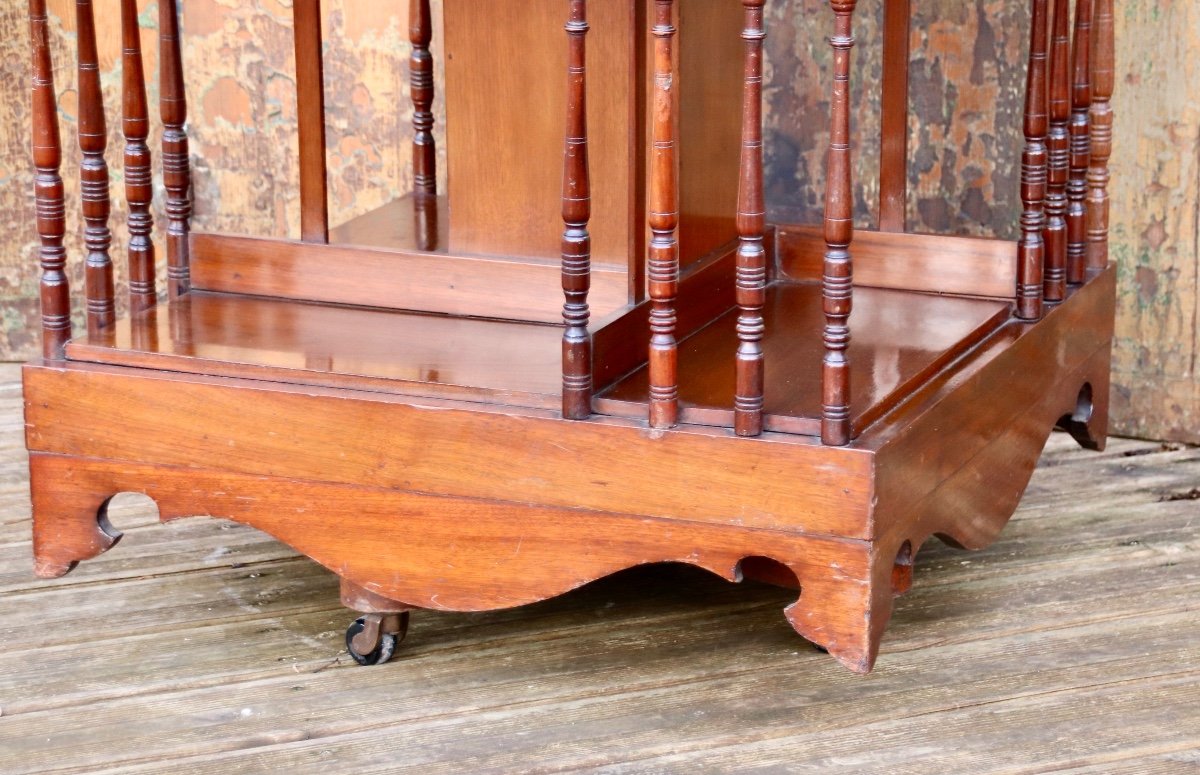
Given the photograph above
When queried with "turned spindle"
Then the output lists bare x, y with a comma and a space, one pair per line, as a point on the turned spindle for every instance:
576, 211
837, 283
310, 120
1031, 251
751, 223
663, 260
139, 182
420, 34
177, 174
93, 175
1103, 81
48, 190
1081, 104
1058, 145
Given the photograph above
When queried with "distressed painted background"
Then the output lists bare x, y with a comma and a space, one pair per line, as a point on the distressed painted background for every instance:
966, 86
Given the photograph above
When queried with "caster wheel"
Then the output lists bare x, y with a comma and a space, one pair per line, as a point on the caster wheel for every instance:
369, 641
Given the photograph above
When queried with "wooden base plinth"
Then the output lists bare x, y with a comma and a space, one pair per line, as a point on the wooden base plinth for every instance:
448, 505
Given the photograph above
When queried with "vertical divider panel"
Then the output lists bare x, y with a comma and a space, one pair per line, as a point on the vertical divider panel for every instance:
893, 156
310, 108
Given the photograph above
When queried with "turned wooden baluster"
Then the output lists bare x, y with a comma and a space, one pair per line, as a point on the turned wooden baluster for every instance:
177, 174
48, 190
663, 263
93, 174
751, 222
1103, 81
420, 33
310, 120
1059, 154
1081, 103
139, 182
576, 211
837, 283
1031, 251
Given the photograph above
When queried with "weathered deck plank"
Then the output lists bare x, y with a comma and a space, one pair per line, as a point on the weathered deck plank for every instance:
203, 646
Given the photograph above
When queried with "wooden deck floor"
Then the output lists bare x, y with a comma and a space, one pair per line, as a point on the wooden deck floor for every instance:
1072, 645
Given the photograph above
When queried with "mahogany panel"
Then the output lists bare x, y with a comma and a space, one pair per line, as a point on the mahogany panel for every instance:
452, 448
454, 284
970, 266
504, 131
503, 554
413, 223
900, 340
310, 109
261, 338
893, 118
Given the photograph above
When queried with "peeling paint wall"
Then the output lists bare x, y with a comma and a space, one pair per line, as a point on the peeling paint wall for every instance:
967, 80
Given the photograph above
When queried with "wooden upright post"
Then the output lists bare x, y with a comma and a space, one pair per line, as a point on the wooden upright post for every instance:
1031, 252
751, 223
177, 171
837, 288
576, 211
48, 190
1081, 104
1058, 145
663, 263
420, 33
139, 180
893, 119
1103, 81
93, 174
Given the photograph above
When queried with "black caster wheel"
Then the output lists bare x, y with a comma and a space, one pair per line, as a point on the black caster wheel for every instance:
372, 639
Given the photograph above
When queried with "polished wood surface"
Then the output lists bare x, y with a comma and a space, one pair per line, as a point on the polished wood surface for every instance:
368, 348
418, 417
1101, 139
1031, 251
837, 289
485, 286
971, 266
576, 240
176, 164
900, 340
1058, 163
893, 116
139, 177
93, 175
310, 107
48, 190
751, 223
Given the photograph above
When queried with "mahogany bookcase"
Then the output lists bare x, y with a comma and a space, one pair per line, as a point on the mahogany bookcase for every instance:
592, 350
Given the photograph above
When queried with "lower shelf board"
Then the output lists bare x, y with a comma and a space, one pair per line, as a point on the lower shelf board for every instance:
899, 339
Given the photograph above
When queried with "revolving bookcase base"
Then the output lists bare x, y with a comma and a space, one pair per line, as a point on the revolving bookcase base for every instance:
451, 505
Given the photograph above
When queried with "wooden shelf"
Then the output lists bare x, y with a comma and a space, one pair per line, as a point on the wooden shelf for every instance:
321, 344
900, 339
